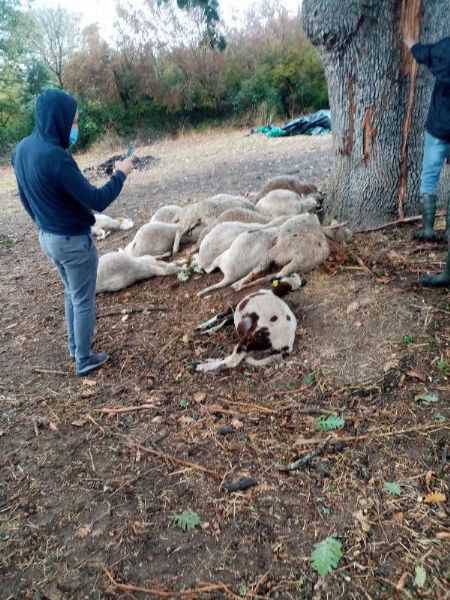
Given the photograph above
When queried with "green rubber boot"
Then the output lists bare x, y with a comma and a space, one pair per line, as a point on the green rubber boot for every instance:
441, 280
426, 233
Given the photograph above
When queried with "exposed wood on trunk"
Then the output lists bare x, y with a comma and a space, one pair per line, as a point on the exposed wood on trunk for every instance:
368, 133
410, 20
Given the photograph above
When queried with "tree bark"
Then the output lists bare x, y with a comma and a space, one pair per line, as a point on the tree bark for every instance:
379, 99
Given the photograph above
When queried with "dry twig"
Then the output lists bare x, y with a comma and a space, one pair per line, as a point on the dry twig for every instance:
193, 594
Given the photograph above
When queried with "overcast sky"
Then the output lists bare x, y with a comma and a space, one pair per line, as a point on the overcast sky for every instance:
103, 12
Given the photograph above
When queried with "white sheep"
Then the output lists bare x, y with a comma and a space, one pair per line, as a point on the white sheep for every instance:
167, 214
200, 214
118, 270
105, 224
238, 215
286, 182
222, 235
265, 325
153, 239
301, 246
285, 202
298, 245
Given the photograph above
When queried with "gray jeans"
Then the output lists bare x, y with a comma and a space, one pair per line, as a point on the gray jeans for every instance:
75, 257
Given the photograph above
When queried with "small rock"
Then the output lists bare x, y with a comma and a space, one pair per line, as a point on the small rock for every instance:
225, 430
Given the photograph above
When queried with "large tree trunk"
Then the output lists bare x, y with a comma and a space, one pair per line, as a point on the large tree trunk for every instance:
379, 100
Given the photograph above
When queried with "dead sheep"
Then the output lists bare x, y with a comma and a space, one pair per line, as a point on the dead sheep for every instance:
153, 239
200, 214
299, 245
118, 270
238, 215
265, 325
223, 235
284, 202
104, 224
285, 182
167, 214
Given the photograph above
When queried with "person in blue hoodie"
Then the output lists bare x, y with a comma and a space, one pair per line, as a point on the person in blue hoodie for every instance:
436, 57
61, 201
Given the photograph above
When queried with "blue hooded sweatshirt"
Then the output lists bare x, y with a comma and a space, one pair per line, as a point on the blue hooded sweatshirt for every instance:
52, 188
437, 58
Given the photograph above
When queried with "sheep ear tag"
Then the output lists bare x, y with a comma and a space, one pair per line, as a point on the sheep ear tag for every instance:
275, 283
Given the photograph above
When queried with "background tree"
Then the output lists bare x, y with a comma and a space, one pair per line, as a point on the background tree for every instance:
56, 37
378, 100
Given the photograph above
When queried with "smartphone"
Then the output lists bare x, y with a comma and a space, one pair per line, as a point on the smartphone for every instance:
130, 150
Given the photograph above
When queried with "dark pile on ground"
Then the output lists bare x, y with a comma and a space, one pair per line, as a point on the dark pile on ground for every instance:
141, 163
94, 470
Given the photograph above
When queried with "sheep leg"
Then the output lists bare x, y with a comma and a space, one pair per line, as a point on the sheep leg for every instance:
259, 281
225, 281
229, 362
263, 362
216, 323
165, 255
248, 279
176, 242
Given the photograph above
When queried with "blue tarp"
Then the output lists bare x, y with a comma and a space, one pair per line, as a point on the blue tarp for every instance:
317, 123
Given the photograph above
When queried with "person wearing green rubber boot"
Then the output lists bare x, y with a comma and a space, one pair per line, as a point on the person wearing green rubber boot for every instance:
437, 131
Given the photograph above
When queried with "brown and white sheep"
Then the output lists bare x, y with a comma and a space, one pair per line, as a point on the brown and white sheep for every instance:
266, 327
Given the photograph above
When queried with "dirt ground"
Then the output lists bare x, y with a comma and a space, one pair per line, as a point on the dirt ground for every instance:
93, 471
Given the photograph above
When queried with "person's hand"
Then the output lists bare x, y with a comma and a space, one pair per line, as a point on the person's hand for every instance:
409, 41
126, 166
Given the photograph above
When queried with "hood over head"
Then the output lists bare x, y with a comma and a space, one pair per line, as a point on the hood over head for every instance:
55, 112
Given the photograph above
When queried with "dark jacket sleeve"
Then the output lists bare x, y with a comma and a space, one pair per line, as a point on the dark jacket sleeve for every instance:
436, 57
78, 187
22, 196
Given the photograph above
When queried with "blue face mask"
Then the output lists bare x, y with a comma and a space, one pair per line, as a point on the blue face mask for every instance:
73, 138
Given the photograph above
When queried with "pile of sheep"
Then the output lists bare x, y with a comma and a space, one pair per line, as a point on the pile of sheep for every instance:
277, 228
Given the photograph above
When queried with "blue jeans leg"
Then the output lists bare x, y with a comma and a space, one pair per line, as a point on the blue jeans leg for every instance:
434, 155
76, 260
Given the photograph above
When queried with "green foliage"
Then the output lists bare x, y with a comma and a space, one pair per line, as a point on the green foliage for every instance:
186, 520
329, 423
184, 403
145, 88
326, 556
408, 340
392, 488
443, 367
309, 379
427, 398
421, 576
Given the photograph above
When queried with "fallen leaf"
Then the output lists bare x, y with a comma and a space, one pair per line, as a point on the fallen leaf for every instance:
125, 318
79, 423
88, 394
421, 576
90, 382
435, 498
398, 517
443, 535
237, 424
392, 364
416, 375
199, 397
83, 532
52, 426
